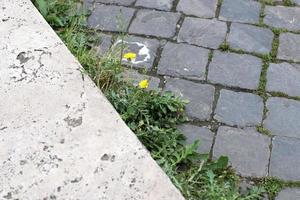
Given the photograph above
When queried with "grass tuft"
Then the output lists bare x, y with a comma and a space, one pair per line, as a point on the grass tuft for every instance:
224, 46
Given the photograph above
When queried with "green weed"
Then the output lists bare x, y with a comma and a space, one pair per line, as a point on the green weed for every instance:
151, 115
224, 46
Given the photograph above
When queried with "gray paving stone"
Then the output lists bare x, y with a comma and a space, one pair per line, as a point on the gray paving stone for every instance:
285, 78
199, 8
183, 60
156, 4
245, 11
283, 117
134, 77
235, 70
283, 17
250, 38
201, 97
247, 149
155, 23
88, 4
144, 48
193, 133
110, 17
119, 2
285, 159
239, 108
104, 44
289, 47
297, 2
289, 193
203, 32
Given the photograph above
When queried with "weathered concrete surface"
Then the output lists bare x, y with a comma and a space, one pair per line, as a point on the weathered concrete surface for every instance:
59, 136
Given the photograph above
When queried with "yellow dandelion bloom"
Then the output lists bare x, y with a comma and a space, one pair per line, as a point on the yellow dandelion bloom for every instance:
144, 84
129, 56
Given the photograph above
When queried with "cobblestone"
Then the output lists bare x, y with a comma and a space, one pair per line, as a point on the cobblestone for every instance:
283, 17
107, 17
199, 8
144, 48
235, 70
240, 144
289, 193
283, 117
104, 44
250, 38
155, 23
201, 97
284, 78
182, 60
193, 133
239, 108
285, 160
203, 32
289, 47
119, 2
132, 76
245, 11
157, 4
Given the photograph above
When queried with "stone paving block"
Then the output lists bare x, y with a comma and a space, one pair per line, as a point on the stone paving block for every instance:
285, 158
203, 32
104, 44
297, 2
193, 133
244, 11
200, 97
144, 48
289, 47
247, 149
250, 38
236, 70
155, 23
183, 60
134, 77
239, 108
199, 8
156, 4
88, 4
285, 78
283, 17
283, 117
110, 17
289, 193
119, 2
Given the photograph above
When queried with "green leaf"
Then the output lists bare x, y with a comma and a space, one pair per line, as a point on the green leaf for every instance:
222, 162
56, 20
43, 7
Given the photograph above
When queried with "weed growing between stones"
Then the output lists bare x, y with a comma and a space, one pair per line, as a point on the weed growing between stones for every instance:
273, 186
151, 115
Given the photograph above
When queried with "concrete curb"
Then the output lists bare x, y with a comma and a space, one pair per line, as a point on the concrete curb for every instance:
59, 136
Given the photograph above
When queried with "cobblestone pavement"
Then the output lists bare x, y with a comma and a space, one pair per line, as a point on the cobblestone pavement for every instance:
237, 61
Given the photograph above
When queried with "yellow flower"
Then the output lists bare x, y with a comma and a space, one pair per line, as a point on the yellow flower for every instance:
144, 84
129, 56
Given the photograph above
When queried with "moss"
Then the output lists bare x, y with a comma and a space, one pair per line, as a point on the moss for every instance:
210, 56
288, 3
263, 130
224, 46
267, 2
263, 79
281, 94
274, 185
